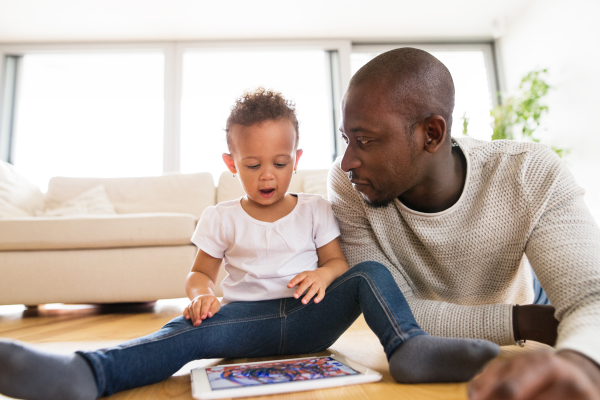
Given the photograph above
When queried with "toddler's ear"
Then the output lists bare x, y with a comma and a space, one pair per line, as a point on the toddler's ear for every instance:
228, 159
298, 155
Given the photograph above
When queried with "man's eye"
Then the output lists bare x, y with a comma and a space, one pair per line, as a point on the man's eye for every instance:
363, 141
345, 139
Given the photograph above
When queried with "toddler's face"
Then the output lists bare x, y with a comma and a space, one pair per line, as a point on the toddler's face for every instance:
264, 157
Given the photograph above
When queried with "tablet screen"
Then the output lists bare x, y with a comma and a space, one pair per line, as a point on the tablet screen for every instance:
303, 369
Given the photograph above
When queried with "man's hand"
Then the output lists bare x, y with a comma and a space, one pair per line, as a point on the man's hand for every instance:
564, 375
311, 282
202, 307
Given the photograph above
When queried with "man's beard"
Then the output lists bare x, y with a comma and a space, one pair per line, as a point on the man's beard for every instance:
379, 203
374, 204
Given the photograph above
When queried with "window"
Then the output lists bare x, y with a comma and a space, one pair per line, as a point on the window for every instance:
89, 115
474, 87
146, 109
213, 79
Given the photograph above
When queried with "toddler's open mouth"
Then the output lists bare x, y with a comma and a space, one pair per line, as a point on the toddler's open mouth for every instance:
266, 193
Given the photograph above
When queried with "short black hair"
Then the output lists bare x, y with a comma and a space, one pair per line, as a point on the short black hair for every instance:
258, 106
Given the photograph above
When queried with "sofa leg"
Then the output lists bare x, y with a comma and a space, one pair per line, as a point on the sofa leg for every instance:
141, 306
31, 306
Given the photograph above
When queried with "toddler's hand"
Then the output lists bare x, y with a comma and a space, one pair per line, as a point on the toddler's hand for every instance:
310, 282
201, 307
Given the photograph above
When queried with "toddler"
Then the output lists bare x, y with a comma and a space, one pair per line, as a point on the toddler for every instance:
288, 289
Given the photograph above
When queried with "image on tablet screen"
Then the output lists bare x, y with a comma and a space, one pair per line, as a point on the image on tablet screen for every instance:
243, 375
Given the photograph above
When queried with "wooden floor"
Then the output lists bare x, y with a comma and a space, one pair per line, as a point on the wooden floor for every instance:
66, 328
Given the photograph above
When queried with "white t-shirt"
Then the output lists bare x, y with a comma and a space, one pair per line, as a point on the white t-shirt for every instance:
262, 257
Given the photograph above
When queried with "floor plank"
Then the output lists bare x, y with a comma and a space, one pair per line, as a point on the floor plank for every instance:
66, 328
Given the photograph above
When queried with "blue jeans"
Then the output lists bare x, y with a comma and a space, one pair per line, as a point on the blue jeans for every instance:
539, 295
260, 329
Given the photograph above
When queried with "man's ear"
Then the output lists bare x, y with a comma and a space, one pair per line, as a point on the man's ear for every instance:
435, 133
228, 159
299, 153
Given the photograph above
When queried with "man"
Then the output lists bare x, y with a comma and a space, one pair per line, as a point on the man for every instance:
452, 219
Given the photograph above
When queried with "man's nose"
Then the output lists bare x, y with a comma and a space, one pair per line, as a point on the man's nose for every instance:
349, 160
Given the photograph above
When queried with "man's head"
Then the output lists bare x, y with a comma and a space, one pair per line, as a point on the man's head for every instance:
396, 115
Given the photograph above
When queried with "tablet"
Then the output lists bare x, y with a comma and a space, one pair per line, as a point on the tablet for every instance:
280, 376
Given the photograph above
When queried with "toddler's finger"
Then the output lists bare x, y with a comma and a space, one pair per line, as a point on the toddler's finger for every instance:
313, 290
303, 287
205, 307
296, 280
197, 309
191, 313
214, 308
320, 296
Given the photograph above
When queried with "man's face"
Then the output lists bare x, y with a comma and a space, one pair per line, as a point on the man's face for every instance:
381, 156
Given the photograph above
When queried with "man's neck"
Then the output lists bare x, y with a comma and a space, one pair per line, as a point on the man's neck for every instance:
442, 186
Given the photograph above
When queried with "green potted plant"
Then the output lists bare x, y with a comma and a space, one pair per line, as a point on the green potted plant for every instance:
519, 116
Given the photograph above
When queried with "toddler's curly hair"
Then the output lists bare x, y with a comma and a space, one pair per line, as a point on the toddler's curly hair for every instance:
258, 106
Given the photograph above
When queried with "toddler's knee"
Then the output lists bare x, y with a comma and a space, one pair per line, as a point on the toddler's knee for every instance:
177, 323
371, 268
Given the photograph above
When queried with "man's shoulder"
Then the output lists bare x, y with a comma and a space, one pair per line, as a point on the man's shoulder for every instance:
337, 180
508, 153
483, 148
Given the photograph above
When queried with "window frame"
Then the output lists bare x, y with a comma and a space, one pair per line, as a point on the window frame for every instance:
173, 52
487, 48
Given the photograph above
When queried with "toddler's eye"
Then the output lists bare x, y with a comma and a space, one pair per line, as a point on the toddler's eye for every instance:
253, 166
280, 165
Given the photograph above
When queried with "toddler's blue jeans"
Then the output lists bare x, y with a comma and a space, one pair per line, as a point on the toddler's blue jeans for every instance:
262, 328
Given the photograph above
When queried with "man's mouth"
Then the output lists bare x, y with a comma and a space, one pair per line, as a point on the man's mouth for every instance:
266, 193
357, 183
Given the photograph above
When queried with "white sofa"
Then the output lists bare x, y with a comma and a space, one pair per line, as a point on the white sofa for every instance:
141, 253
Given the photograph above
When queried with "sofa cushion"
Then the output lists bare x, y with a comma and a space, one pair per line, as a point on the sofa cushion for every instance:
17, 193
315, 182
93, 201
9, 210
96, 231
177, 193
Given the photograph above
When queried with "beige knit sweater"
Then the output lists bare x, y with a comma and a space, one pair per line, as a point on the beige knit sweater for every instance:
462, 269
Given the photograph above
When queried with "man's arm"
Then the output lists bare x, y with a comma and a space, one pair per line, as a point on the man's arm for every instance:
492, 322
564, 250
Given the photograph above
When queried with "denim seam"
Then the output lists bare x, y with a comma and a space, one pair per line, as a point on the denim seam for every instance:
377, 294
100, 370
185, 330
281, 323
283, 328
385, 307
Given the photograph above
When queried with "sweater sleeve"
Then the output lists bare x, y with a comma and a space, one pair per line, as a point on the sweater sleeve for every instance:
492, 322
564, 251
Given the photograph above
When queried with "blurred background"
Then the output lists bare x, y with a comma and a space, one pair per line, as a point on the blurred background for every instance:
117, 88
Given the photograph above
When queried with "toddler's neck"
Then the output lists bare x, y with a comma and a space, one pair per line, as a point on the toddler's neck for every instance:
272, 212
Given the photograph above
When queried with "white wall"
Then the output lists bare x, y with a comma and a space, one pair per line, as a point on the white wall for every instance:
563, 36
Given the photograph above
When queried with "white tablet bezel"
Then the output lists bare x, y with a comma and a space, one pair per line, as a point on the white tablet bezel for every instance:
201, 386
